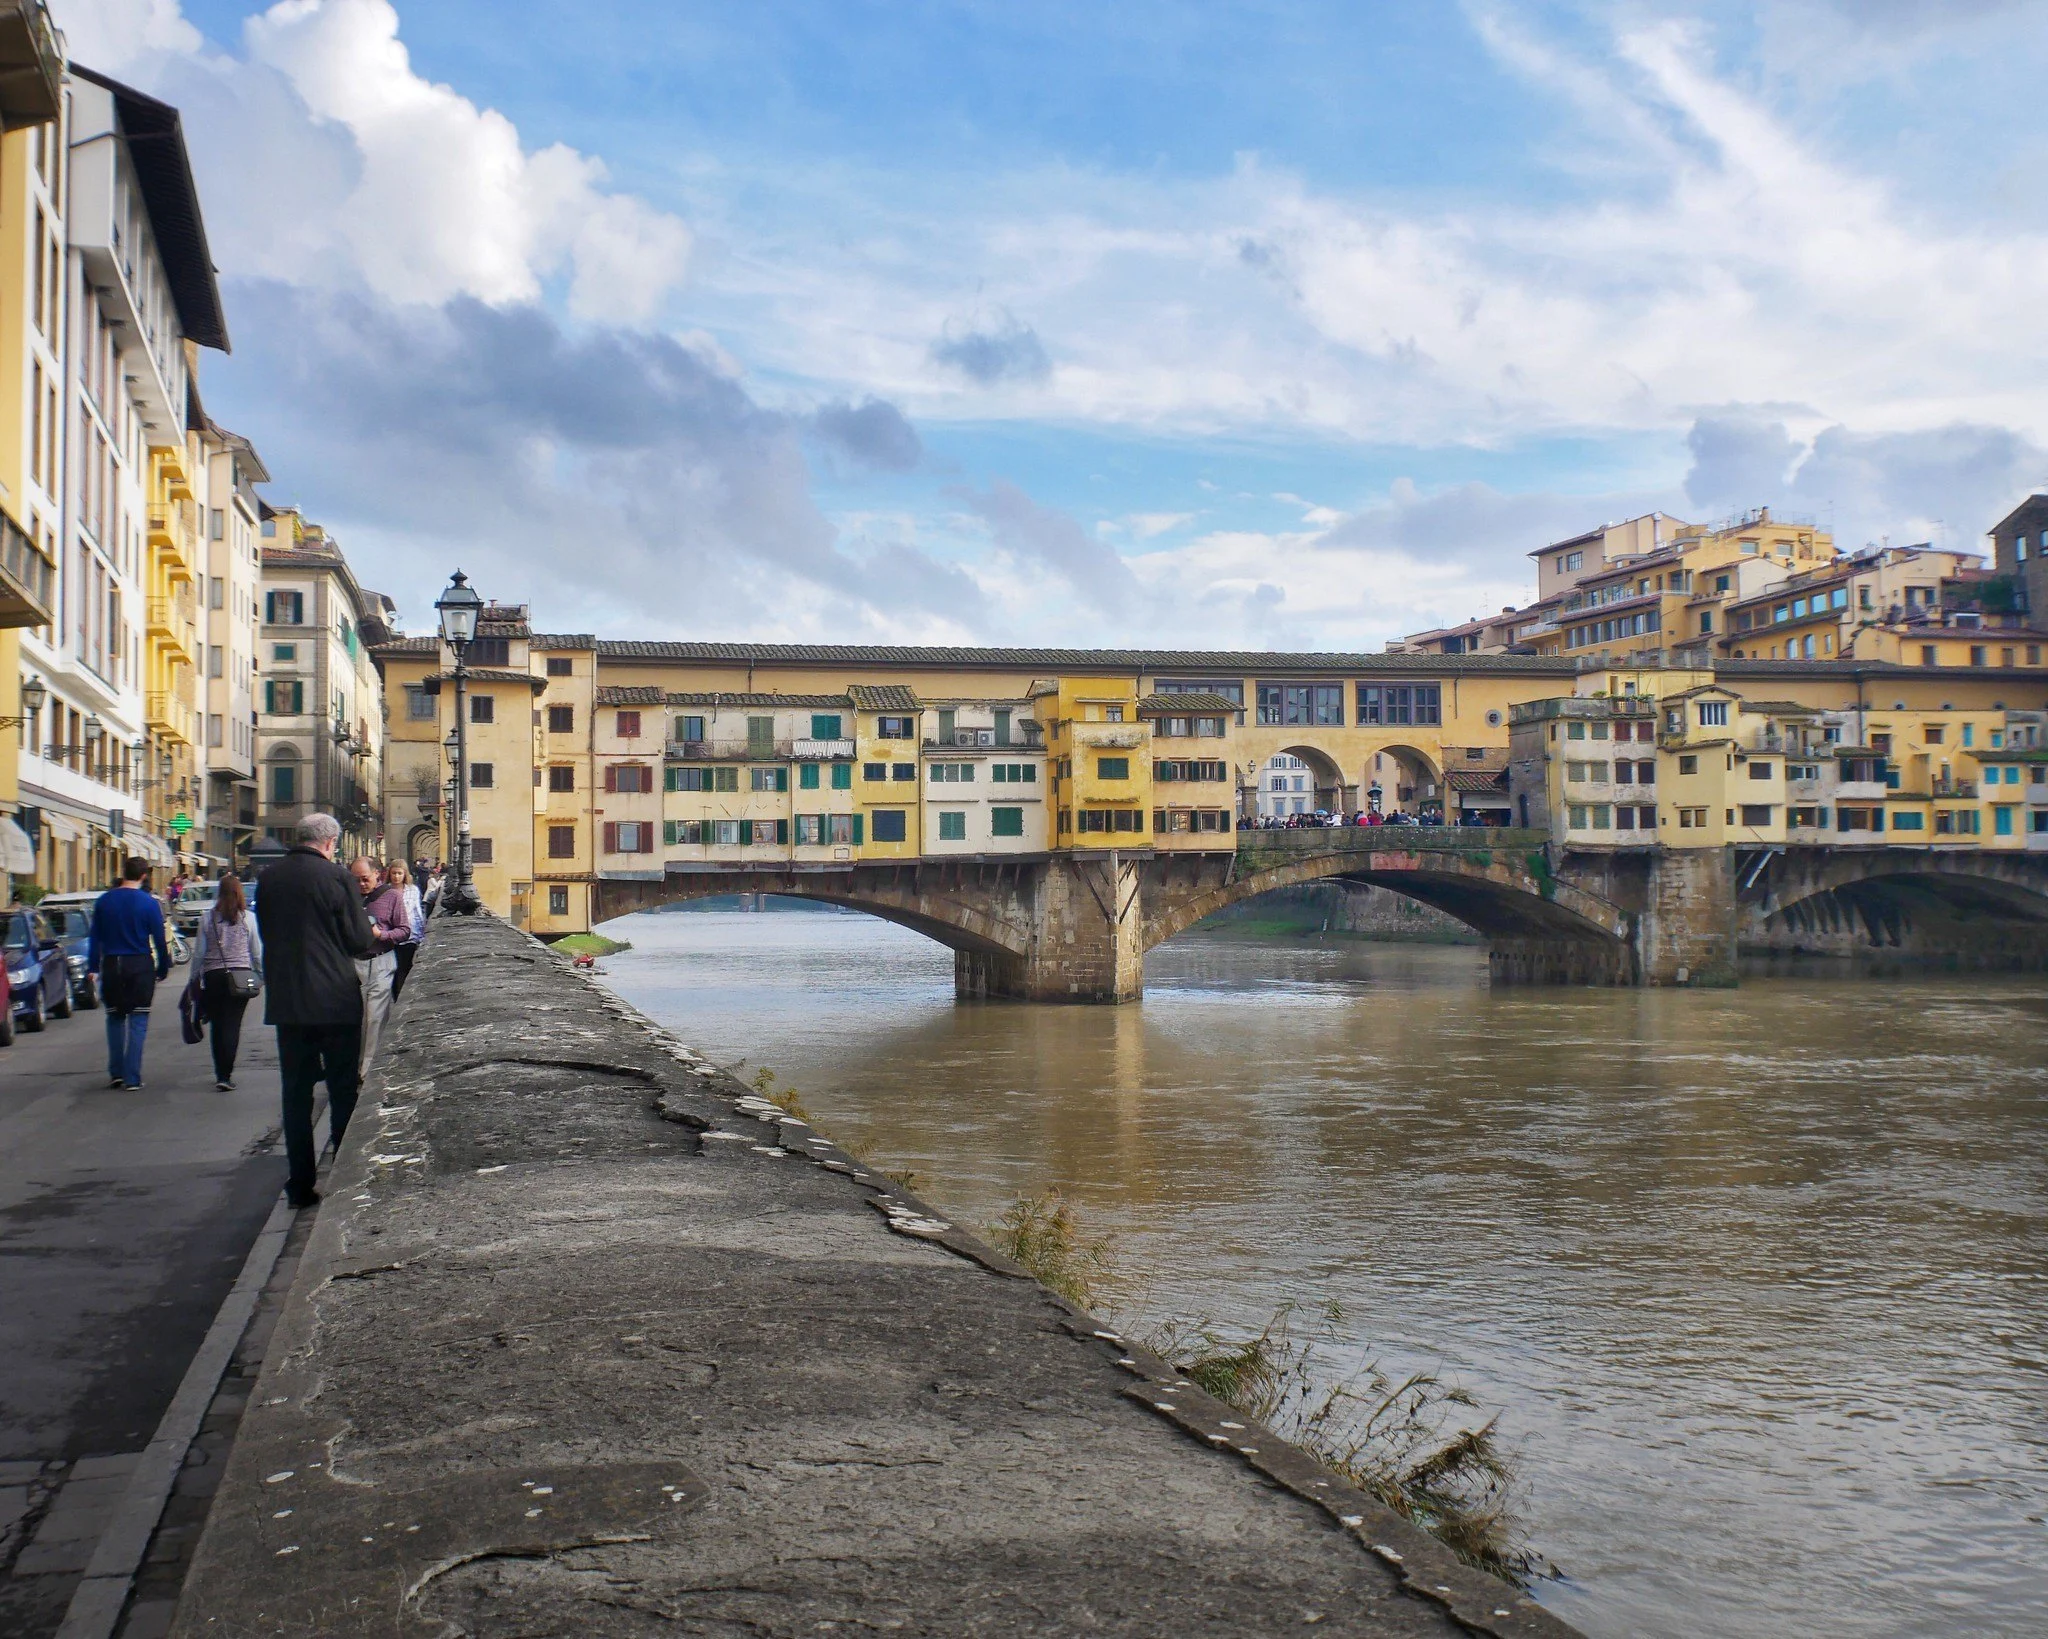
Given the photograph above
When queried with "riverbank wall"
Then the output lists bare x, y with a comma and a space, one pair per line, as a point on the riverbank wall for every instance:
589, 1338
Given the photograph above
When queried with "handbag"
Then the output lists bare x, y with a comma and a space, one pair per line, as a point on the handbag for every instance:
191, 1018
243, 982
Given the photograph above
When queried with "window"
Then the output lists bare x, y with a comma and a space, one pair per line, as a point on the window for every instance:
1571, 561
1575, 731
1229, 688
689, 728
807, 777
1969, 734
1576, 816
890, 825
768, 779
894, 728
903, 771
2001, 821
629, 725
843, 828
1399, 703
1706, 620
1111, 819
842, 776
561, 842
482, 709
627, 837
824, 727
480, 776
558, 901
1929, 656
1006, 822
284, 697
874, 771
1112, 768
284, 783
760, 736
1757, 815
1301, 703
631, 778
952, 773
419, 705
560, 665
1761, 771
1713, 714
725, 833
1692, 819
482, 851
810, 830
561, 777
1934, 734
952, 825
561, 719
284, 608
1014, 773
287, 652
1978, 655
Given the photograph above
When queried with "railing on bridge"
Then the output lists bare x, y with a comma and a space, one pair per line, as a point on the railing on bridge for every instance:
1370, 839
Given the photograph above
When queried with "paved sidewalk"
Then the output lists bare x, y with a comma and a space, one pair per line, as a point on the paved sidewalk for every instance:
124, 1220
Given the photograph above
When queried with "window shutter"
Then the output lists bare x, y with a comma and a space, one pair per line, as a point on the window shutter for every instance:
746, 832
858, 820
647, 839
270, 608
611, 837
782, 829
611, 778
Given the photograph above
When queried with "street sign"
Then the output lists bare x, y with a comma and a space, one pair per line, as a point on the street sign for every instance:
181, 822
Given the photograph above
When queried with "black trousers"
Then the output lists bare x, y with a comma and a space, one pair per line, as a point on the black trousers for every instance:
224, 1010
405, 955
309, 1053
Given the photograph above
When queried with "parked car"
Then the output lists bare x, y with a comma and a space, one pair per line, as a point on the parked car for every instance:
6, 1009
193, 903
38, 972
71, 914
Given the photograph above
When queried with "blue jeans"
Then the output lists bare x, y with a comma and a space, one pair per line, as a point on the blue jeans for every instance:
126, 1033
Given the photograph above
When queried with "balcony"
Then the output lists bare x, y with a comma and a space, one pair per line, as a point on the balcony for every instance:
820, 750
169, 715
1107, 737
31, 65
744, 751
1955, 788
28, 580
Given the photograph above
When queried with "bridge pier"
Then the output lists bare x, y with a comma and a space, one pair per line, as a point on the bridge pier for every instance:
1085, 941
1686, 931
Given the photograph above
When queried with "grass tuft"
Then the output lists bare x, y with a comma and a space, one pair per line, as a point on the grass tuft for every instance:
590, 944
787, 1097
1043, 1233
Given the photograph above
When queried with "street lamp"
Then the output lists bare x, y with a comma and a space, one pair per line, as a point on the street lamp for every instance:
459, 607
35, 695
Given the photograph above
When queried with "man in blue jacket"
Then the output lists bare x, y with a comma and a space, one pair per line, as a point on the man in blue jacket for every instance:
128, 951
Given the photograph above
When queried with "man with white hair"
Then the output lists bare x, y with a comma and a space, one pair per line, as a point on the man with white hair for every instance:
314, 928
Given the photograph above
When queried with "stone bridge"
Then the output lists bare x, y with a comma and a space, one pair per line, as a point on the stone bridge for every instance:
1068, 927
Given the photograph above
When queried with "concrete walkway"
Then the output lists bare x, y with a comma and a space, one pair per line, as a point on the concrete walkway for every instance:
124, 1220
588, 1340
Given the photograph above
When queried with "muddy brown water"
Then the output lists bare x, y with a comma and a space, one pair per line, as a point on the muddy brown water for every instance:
1758, 1280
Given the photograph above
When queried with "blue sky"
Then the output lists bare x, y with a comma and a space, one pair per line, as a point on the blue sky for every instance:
1290, 323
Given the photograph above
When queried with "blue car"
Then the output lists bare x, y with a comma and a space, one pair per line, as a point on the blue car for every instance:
38, 971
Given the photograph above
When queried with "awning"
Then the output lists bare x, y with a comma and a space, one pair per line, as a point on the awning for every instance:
17, 853
63, 827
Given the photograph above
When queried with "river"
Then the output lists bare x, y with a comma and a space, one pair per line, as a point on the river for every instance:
1758, 1280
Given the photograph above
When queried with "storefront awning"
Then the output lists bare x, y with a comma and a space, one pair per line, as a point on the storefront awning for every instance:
17, 853
63, 827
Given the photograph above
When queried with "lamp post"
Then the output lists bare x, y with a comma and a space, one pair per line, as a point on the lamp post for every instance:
458, 608
35, 694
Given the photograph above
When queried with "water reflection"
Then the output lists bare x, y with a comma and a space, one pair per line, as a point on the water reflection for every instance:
1756, 1277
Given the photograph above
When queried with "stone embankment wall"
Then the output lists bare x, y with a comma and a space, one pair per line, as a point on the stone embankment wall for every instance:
588, 1339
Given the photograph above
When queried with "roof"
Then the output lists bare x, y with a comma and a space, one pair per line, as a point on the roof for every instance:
645, 695
2034, 507
882, 697
1783, 708
1475, 779
1227, 662
796, 701
155, 140
1179, 705
399, 647
479, 674
1704, 688
563, 640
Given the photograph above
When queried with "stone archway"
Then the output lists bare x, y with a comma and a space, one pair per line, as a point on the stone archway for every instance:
1322, 782
1407, 779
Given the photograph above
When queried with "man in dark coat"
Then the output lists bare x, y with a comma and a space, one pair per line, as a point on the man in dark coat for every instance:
314, 927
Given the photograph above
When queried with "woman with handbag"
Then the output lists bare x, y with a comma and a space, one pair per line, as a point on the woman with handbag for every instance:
227, 971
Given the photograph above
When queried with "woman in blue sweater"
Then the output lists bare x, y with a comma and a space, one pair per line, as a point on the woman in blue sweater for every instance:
129, 953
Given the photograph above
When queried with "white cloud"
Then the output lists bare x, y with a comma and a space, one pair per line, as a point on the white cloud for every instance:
330, 161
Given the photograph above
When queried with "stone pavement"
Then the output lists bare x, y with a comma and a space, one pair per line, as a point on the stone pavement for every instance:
588, 1339
124, 1220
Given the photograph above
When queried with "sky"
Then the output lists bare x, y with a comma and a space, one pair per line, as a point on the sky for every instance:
1258, 323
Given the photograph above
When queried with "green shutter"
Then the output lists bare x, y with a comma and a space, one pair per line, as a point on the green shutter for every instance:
842, 776
857, 826
782, 830
746, 832
807, 777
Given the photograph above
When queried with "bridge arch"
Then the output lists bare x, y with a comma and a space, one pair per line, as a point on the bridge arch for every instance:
1332, 791
1979, 907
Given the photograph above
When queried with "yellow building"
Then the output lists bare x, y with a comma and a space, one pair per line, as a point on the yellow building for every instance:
1196, 802
31, 147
